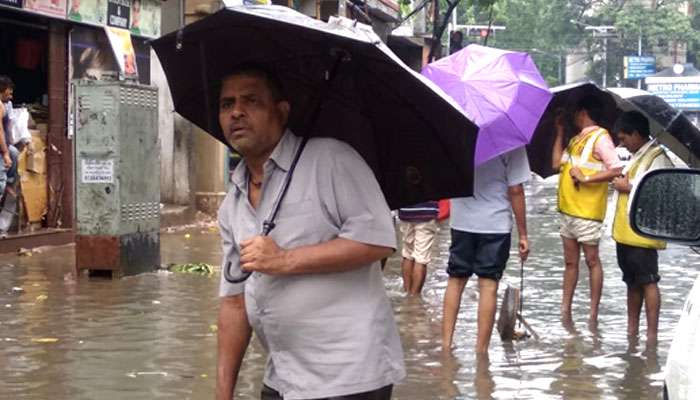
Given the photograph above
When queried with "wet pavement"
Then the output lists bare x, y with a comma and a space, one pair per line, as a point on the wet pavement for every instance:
152, 336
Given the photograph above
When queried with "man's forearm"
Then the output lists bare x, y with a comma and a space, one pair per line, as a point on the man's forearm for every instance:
604, 176
336, 255
233, 337
517, 202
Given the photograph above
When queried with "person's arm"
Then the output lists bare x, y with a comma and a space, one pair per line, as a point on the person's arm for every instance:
602, 176
516, 194
604, 151
4, 149
558, 149
233, 337
262, 254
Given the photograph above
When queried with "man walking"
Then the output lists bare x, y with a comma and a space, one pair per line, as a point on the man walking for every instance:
481, 229
418, 229
8, 167
586, 166
316, 298
637, 256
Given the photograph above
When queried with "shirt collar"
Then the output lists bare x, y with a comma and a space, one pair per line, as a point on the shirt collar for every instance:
281, 157
644, 148
589, 129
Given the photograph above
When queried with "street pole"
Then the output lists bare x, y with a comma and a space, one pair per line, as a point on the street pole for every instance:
639, 53
605, 62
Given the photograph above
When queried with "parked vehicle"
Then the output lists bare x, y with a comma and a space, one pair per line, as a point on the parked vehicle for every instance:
666, 205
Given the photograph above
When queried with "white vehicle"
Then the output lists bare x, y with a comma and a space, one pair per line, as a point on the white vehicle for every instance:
666, 205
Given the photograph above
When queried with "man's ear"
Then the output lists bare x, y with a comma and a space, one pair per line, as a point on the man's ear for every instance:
283, 107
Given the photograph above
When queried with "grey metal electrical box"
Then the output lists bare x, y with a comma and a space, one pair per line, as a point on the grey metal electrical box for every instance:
117, 182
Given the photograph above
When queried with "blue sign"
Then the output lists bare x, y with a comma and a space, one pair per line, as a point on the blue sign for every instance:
682, 95
638, 67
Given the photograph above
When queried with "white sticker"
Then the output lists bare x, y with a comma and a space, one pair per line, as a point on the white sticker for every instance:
98, 171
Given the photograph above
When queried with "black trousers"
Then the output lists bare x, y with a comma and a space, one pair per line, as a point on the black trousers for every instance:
384, 393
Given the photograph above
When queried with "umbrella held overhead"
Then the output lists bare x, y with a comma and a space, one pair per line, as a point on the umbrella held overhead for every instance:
342, 82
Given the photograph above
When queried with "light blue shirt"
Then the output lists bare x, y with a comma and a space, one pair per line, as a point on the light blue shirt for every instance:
490, 211
328, 334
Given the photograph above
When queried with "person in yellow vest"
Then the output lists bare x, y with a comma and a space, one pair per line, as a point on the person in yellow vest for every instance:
586, 166
637, 256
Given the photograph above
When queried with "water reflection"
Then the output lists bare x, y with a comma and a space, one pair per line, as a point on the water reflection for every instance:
151, 336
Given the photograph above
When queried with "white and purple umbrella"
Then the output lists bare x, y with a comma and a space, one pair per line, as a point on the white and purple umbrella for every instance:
502, 91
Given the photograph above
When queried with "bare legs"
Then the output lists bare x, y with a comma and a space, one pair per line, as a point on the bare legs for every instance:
572, 251
486, 313
651, 298
413, 276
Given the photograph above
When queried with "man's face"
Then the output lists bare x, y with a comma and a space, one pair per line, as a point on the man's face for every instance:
6, 95
135, 13
630, 141
251, 119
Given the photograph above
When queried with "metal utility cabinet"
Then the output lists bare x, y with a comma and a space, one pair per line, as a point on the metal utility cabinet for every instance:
117, 183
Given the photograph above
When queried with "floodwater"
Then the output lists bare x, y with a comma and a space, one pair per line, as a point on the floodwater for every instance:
152, 336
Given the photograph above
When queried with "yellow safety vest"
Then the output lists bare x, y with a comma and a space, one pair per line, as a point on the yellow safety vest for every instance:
622, 231
588, 200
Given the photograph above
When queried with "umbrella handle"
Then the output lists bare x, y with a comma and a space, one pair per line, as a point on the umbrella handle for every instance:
522, 287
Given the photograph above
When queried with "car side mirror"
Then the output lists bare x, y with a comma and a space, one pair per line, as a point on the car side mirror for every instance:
666, 206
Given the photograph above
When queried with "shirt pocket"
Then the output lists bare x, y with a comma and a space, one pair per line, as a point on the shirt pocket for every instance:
298, 224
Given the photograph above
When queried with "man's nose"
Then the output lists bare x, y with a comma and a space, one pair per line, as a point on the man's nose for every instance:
237, 111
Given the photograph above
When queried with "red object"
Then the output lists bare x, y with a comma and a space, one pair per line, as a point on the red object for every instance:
443, 209
28, 53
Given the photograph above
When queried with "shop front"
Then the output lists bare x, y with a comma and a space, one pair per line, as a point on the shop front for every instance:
44, 46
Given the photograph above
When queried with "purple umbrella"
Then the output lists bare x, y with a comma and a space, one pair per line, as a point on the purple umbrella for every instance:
502, 91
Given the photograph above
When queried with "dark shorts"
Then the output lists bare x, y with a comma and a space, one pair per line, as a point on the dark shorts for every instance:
383, 393
639, 266
483, 254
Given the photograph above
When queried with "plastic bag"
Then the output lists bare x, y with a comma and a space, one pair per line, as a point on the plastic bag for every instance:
19, 125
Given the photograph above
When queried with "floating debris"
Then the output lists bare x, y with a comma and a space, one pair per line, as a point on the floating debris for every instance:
192, 268
45, 340
41, 297
134, 374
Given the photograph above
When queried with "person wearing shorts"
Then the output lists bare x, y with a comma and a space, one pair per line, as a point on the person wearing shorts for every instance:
480, 228
418, 228
585, 165
637, 256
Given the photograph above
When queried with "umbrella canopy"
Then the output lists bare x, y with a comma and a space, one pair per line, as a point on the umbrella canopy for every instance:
668, 125
419, 144
501, 90
565, 99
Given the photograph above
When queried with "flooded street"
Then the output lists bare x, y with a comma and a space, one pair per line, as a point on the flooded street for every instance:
153, 336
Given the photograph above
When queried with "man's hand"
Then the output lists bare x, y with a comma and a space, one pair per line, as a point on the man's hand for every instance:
622, 184
523, 249
577, 175
7, 161
262, 254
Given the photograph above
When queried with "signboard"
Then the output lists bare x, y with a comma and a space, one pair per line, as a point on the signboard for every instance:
681, 95
91, 11
123, 50
53, 8
638, 67
145, 18
97, 171
12, 3
118, 13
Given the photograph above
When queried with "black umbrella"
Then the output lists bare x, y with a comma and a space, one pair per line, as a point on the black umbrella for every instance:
418, 143
668, 125
565, 99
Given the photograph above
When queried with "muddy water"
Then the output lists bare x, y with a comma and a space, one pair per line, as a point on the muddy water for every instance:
151, 336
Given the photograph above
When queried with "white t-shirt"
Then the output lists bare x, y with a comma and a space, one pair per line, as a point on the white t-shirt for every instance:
490, 211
